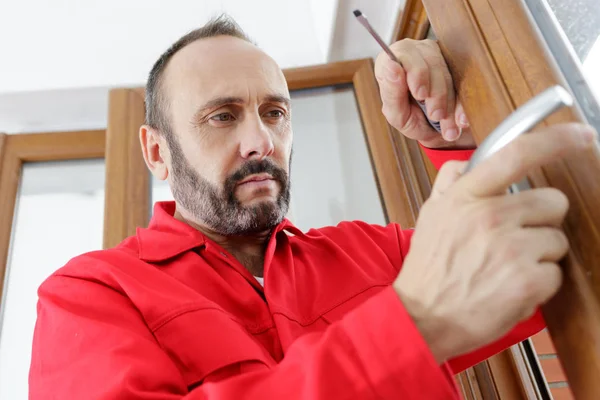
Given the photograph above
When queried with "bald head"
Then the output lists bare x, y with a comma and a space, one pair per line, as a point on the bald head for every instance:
155, 101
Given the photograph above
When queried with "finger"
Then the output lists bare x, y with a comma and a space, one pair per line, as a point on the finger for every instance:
534, 208
460, 117
450, 131
394, 92
437, 102
543, 244
512, 163
537, 284
549, 277
447, 175
442, 94
417, 70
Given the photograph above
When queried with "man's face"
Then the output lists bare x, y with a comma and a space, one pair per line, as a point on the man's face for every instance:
231, 137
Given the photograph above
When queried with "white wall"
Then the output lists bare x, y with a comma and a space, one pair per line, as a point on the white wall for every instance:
64, 44
60, 57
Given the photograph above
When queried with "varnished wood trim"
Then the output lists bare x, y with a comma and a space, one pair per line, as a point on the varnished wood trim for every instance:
322, 75
412, 22
55, 146
497, 59
10, 170
128, 179
17, 149
467, 381
395, 192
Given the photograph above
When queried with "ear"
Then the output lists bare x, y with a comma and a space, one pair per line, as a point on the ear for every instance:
153, 148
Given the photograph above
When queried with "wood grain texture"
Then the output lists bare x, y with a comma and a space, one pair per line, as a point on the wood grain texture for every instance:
469, 386
412, 22
127, 199
18, 149
10, 170
496, 59
322, 75
396, 194
57, 146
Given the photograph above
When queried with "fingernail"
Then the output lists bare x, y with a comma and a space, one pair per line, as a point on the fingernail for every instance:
422, 92
463, 120
437, 115
451, 135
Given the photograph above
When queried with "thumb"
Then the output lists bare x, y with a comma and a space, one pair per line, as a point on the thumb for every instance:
448, 174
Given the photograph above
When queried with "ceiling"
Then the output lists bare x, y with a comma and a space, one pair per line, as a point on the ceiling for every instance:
60, 58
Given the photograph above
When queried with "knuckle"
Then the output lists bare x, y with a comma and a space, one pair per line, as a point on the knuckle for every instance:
403, 44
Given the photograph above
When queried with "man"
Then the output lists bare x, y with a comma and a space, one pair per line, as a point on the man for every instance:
353, 311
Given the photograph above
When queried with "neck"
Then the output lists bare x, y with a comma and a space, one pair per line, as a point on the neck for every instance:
248, 249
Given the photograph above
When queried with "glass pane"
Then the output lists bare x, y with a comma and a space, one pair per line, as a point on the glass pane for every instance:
571, 30
580, 19
332, 177
59, 214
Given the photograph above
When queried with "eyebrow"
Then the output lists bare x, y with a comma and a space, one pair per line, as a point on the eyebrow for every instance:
218, 102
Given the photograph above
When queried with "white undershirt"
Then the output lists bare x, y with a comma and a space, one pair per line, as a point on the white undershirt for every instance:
260, 280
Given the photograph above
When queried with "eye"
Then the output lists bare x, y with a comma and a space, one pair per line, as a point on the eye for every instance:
223, 117
275, 114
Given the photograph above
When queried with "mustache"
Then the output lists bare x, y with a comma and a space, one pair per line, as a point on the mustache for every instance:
252, 167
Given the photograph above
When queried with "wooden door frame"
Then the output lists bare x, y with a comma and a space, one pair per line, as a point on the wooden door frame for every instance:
15, 150
497, 57
401, 188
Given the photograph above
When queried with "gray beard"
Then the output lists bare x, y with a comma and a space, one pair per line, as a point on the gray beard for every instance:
219, 209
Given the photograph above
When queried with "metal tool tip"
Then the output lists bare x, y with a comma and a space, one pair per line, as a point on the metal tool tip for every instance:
357, 13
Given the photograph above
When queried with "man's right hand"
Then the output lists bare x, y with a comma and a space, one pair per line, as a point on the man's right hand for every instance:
480, 260
426, 76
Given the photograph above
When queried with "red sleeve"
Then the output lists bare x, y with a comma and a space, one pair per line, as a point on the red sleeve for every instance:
91, 343
438, 157
519, 333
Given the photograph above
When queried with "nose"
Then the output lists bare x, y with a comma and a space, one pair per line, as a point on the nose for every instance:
256, 141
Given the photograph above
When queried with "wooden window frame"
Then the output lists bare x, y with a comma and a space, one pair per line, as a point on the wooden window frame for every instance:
497, 57
15, 150
127, 202
402, 180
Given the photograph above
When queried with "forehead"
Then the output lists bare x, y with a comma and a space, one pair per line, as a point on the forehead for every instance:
222, 66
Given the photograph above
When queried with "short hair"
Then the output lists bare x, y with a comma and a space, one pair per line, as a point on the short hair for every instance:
156, 102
